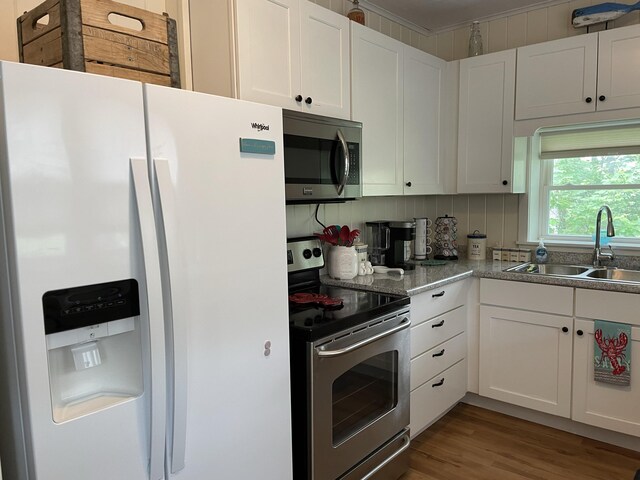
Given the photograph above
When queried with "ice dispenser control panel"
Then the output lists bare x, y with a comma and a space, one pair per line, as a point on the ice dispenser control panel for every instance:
78, 307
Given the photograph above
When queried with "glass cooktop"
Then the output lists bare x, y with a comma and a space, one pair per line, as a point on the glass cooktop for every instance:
313, 321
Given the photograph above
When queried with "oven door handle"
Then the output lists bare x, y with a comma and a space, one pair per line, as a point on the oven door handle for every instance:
345, 149
407, 442
341, 351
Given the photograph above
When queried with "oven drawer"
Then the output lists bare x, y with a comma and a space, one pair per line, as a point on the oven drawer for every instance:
437, 330
433, 398
438, 301
438, 359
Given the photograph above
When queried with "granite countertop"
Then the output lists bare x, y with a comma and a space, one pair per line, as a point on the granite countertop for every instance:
425, 278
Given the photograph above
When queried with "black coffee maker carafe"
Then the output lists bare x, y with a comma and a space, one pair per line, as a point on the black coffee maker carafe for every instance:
402, 235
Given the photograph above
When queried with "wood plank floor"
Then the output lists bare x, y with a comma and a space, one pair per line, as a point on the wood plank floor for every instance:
471, 443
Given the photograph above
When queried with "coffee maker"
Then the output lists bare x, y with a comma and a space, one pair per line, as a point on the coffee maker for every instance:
402, 235
378, 238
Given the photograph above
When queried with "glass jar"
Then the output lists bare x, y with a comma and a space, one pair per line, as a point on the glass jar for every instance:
475, 40
356, 14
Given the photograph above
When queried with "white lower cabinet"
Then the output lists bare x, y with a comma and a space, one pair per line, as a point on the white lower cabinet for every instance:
525, 358
526, 344
601, 404
438, 353
545, 360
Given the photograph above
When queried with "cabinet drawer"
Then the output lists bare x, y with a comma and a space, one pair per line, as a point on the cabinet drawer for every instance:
438, 301
436, 396
612, 306
527, 296
438, 359
437, 330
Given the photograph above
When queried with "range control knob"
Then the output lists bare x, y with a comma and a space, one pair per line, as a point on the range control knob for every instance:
306, 253
317, 252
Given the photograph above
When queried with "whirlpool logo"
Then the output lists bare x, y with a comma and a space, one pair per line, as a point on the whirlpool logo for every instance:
259, 126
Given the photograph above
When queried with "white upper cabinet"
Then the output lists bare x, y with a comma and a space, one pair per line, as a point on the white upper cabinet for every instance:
293, 54
398, 93
377, 102
326, 71
424, 168
485, 125
581, 74
619, 68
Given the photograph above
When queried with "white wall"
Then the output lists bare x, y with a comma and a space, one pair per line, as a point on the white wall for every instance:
497, 215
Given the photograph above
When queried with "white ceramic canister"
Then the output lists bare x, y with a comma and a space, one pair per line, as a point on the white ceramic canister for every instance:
342, 262
476, 246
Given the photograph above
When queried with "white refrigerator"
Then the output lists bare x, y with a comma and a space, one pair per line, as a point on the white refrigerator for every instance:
144, 321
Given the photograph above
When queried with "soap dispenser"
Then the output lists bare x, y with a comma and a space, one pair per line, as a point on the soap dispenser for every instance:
542, 255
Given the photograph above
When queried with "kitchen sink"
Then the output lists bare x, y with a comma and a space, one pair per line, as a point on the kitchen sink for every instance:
582, 272
550, 269
615, 275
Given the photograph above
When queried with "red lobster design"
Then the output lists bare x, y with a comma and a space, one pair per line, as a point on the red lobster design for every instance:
613, 349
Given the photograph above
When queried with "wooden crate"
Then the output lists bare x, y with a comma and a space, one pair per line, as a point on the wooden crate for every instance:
80, 36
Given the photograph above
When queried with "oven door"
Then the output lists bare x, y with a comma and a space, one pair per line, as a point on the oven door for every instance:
360, 396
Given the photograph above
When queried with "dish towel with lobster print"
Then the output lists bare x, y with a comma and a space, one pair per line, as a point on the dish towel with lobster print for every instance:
612, 353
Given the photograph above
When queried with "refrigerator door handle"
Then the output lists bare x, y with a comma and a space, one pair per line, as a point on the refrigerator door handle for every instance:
178, 429
142, 190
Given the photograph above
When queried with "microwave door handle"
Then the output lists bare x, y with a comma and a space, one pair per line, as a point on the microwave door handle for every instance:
345, 150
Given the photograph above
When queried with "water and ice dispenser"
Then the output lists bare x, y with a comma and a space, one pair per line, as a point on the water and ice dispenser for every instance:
94, 347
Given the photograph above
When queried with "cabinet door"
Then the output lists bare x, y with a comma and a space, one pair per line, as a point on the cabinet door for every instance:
485, 135
325, 61
557, 78
423, 84
619, 68
377, 96
268, 56
525, 359
601, 404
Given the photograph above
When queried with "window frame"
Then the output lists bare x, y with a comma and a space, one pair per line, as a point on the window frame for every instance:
544, 193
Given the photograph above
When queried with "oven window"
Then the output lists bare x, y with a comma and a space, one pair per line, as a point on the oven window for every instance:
363, 394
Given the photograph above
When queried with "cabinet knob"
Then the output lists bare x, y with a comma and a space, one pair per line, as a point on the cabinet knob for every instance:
298, 98
565, 329
588, 99
408, 184
580, 333
308, 100
602, 98
504, 182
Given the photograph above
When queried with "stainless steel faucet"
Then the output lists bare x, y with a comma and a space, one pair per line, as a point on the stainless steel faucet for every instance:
598, 255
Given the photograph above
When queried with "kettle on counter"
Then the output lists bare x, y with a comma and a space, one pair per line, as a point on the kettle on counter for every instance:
445, 243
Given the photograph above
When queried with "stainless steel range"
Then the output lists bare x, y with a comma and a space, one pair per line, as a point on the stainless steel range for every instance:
349, 375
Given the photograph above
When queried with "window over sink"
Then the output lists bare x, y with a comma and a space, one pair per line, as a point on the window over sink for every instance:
577, 169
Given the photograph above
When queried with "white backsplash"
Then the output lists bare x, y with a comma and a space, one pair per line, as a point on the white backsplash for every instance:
496, 215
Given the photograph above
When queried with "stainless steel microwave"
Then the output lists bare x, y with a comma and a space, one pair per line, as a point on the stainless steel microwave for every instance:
322, 158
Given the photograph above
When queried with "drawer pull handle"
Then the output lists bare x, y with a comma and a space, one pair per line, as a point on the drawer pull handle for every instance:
439, 384
441, 294
439, 324
439, 354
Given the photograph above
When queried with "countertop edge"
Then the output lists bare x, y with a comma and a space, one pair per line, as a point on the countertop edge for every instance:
427, 278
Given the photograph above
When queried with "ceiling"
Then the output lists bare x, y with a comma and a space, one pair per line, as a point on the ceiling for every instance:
434, 15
